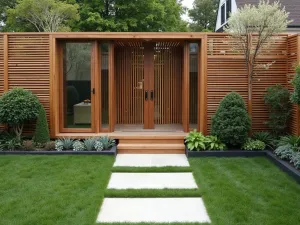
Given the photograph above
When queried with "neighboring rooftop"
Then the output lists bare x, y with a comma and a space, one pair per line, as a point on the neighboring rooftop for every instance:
291, 6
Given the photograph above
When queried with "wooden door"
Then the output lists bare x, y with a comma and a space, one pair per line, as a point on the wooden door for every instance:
148, 86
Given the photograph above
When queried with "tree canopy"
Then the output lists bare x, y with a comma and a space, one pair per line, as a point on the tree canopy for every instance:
203, 15
130, 15
92, 15
41, 15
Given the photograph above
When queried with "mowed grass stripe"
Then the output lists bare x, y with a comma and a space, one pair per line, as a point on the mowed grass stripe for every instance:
166, 169
151, 193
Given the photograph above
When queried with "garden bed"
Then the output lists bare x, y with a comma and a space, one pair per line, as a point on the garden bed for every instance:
112, 151
283, 165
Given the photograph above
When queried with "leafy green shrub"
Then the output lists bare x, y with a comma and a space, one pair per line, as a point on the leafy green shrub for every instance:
294, 141
251, 145
277, 99
64, 144
41, 134
284, 152
295, 96
78, 146
72, 97
231, 123
16, 107
195, 141
89, 144
214, 143
50, 145
295, 159
28, 145
98, 146
107, 142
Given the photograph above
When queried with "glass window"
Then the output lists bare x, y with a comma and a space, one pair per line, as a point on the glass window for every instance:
77, 85
223, 14
104, 84
193, 115
228, 9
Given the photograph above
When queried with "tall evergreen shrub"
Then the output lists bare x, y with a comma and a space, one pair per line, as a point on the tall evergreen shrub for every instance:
231, 123
277, 99
41, 134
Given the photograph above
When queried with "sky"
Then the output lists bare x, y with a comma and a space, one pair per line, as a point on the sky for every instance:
189, 5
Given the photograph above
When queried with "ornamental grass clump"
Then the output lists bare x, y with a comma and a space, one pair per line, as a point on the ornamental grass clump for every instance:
231, 123
18, 106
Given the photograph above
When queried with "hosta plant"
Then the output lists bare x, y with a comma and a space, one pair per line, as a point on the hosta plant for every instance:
107, 142
252, 145
284, 151
214, 143
89, 144
195, 141
98, 146
295, 159
78, 146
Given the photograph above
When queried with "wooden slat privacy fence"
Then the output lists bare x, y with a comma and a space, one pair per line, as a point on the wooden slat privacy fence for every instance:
27, 65
293, 60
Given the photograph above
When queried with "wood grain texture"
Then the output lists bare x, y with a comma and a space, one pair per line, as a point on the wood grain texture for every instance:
29, 67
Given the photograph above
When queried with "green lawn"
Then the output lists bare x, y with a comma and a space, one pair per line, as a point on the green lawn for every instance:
66, 190
58, 190
247, 191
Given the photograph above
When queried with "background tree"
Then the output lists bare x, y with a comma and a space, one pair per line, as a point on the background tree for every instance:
41, 15
130, 15
263, 21
203, 15
4, 5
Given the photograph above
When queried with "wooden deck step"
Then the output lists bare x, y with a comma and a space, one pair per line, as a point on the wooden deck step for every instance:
147, 148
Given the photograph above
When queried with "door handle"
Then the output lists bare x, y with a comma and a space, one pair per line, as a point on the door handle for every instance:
146, 95
93, 91
152, 95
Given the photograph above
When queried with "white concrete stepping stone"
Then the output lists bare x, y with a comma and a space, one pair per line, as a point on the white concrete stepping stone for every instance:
152, 181
156, 210
151, 160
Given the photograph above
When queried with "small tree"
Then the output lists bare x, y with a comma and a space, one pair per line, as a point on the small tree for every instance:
277, 99
260, 22
231, 123
16, 107
41, 134
44, 15
295, 96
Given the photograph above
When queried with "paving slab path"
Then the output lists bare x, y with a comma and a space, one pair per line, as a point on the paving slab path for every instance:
154, 210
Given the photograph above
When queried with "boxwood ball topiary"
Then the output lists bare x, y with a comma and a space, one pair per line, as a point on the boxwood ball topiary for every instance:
16, 107
231, 123
41, 134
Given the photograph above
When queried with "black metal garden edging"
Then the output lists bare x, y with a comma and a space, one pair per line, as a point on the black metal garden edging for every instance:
283, 165
112, 151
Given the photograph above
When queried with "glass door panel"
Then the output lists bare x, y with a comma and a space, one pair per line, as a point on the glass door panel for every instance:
77, 103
